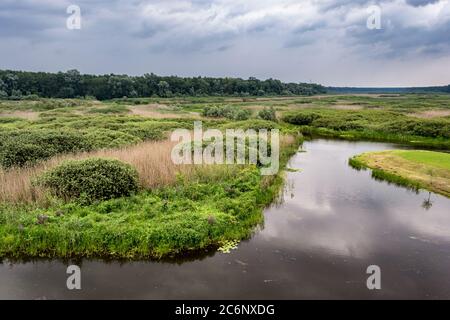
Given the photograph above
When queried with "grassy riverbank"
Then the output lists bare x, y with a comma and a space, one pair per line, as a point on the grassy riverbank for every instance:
376, 125
179, 209
414, 169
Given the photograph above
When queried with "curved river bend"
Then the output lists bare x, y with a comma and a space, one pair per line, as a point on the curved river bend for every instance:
333, 223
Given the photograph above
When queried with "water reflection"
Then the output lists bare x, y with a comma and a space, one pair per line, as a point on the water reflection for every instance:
427, 203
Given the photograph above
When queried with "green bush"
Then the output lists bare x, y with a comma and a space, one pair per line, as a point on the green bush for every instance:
228, 112
91, 180
20, 153
304, 118
105, 138
381, 122
242, 114
268, 114
422, 127
20, 148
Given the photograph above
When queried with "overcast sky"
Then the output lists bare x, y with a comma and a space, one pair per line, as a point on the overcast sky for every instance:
323, 41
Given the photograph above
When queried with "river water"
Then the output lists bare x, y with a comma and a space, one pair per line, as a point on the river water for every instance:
332, 224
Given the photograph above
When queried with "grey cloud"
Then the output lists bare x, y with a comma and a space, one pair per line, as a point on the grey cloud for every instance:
400, 40
419, 3
251, 37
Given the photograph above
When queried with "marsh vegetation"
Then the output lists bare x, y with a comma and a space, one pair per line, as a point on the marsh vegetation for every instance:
171, 209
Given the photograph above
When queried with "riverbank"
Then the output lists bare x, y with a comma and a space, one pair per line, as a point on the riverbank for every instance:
382, 125
415, 169
206, 208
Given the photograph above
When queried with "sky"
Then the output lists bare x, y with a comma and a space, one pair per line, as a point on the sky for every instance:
331, 42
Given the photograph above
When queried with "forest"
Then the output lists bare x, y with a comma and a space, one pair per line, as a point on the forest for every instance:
17, 85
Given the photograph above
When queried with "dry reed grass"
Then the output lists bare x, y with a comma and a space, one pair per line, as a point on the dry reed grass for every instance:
151, 159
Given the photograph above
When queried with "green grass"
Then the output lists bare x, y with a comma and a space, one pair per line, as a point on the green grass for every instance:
432, 159
414, 169
205, 211
115, 109
150, 224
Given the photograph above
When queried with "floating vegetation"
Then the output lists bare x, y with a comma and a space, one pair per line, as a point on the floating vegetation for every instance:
228, 245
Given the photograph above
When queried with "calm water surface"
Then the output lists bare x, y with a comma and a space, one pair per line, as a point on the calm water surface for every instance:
334, 223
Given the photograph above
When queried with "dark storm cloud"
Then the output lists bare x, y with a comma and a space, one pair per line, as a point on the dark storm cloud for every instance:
220, 37
403, 35
28, 18
418, 3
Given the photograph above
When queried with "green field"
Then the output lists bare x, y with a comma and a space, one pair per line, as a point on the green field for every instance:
429, 159
417, 169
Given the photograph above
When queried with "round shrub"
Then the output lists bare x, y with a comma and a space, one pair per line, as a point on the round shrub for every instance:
303, 118
268, 114
242, 114
90, 180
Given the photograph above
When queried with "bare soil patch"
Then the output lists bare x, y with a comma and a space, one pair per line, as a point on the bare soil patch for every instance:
160, 111
28, 115
430, 114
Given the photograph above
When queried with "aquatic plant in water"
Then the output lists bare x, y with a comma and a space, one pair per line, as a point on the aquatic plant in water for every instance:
228, 245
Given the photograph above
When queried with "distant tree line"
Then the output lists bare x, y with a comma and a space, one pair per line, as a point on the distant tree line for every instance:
391, 90
72, 84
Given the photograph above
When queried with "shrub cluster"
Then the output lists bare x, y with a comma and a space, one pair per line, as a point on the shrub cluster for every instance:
419, 127
91, 180
105, 138
19, 148
228, 112
44, 138
382, 122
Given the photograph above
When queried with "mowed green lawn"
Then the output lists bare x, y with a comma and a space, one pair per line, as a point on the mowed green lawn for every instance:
422, 169
428, 158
